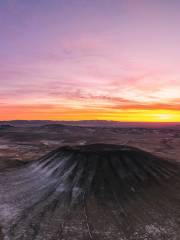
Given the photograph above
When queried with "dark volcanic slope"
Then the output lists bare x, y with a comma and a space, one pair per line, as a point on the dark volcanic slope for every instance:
91, 192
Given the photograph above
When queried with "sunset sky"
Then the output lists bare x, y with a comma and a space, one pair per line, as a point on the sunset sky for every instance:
90, 59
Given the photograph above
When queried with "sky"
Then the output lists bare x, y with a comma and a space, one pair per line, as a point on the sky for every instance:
90, 59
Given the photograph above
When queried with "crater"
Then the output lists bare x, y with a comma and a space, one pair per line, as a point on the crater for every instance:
97, 191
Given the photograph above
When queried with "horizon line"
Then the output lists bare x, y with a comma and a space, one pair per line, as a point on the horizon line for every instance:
104, 120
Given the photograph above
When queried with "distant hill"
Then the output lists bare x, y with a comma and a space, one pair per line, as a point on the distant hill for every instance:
24, 123
103, 123
89, 123
6, 126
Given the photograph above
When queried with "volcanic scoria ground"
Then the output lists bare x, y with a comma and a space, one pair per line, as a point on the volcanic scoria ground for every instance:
97, 191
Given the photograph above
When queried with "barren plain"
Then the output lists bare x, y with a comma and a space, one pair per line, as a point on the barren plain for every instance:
71, 182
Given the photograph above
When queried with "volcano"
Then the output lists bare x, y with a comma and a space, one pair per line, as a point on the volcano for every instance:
97, 191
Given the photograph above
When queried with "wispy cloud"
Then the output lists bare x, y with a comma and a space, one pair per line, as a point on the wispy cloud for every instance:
88, 60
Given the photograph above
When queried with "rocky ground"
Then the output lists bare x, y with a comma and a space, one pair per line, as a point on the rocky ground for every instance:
97, 191
27, 143
37, 196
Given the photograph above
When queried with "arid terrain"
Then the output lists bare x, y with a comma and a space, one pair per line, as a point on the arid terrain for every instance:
72, 182
27, 142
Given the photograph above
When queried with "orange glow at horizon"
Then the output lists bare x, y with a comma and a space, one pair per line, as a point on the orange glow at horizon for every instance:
72, 114
83, 60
